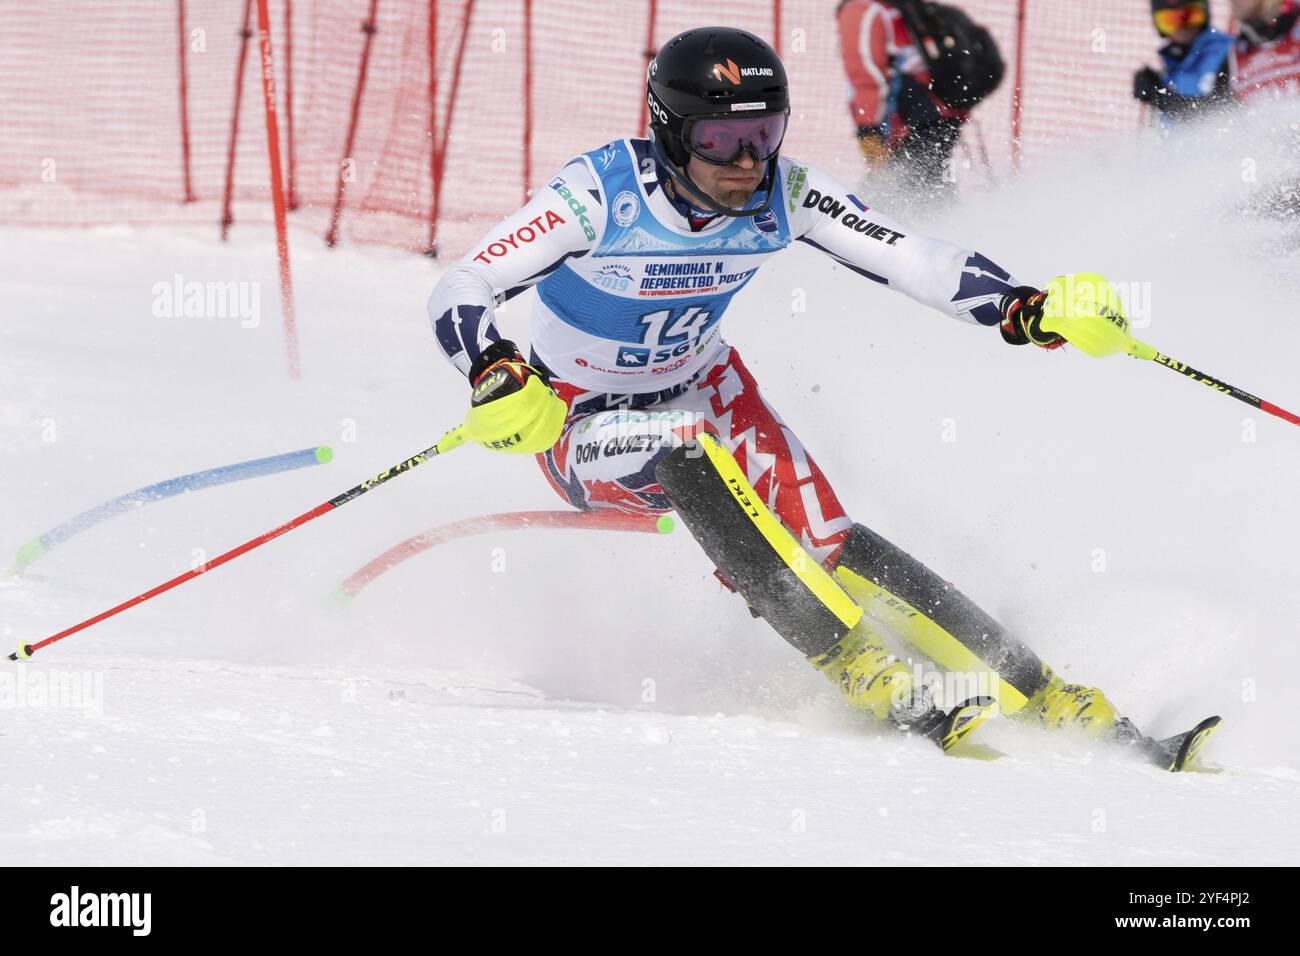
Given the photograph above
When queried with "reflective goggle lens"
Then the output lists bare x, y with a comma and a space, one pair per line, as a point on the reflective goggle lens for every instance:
1173, 19
723, 139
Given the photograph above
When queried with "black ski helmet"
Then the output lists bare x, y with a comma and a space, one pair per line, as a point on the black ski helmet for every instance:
713, 72
1174, 4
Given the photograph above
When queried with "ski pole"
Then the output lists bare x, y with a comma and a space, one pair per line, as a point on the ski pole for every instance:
1145, 351
1086, 311
453, 439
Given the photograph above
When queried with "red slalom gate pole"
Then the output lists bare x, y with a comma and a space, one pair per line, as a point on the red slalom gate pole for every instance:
440, 145
227, 194
184, 94
368, 28
1017, 93
513, 520
430, 248
291, 189
649, 54
277, 188
453, 439
528, 97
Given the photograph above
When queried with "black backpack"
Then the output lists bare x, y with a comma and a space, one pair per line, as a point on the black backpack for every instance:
965, 65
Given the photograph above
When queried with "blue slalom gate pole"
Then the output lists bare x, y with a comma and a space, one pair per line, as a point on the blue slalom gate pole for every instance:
226, 474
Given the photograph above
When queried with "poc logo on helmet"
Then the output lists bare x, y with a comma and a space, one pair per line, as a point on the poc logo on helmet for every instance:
659, 112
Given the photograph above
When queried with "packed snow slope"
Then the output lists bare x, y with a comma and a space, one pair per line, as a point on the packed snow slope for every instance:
565, 696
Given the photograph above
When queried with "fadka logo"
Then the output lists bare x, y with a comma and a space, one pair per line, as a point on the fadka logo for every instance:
102, 909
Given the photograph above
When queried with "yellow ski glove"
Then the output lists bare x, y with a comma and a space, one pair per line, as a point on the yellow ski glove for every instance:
513, 407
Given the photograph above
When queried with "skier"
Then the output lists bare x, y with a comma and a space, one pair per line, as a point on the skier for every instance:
1266, 57
1266, 66
1195, 57
636, 249
908, 113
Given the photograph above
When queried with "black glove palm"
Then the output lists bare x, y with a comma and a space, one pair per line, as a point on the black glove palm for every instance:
1147, 84
1022, 316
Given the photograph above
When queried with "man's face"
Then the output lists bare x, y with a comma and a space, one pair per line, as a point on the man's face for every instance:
731, 185
1183, 36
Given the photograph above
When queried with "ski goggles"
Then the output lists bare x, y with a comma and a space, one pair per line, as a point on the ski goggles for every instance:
1172, 19
721, 139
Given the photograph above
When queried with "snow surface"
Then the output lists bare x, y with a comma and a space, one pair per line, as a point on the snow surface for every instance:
565, 696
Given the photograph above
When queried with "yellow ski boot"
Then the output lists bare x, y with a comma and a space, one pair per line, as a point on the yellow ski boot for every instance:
875, 681
1057, 705
871, 678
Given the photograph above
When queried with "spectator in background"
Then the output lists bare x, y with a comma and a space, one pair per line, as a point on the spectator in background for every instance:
1196, 72
915, 70
1265, 66
1265, 59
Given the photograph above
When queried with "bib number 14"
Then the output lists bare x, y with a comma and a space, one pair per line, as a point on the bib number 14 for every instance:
662, 328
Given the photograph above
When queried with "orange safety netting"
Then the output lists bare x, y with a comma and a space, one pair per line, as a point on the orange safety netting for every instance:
110, 110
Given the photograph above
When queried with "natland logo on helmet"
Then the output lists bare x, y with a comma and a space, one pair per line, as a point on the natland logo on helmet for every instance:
730, 72
697, 85
733, 73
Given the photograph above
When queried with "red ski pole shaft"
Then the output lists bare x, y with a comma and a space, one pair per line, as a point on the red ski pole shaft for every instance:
452, 439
